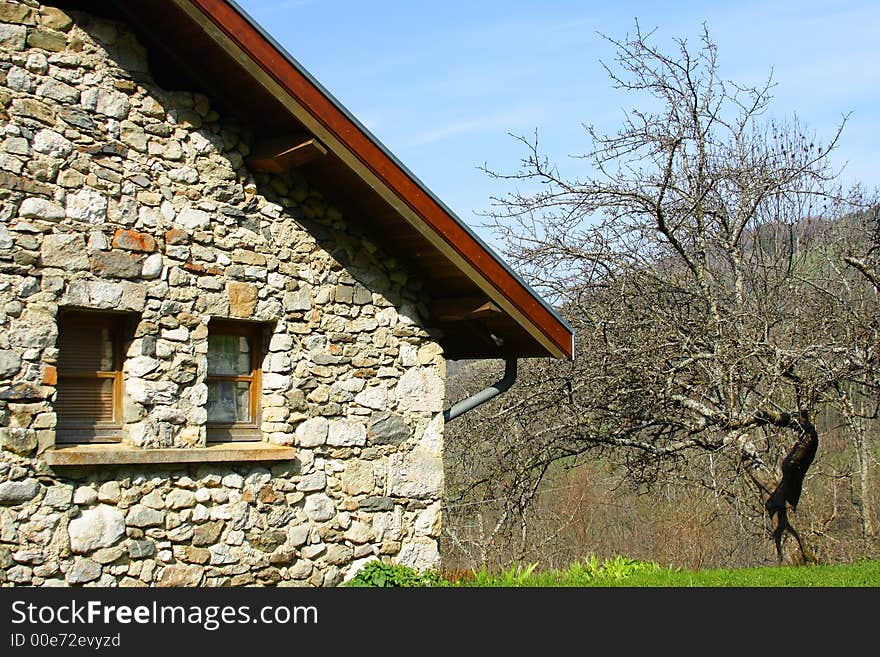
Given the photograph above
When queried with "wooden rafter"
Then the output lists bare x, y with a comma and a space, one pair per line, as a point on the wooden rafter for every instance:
461, 309
284, 153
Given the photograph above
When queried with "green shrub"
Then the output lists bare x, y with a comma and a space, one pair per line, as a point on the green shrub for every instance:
378, 574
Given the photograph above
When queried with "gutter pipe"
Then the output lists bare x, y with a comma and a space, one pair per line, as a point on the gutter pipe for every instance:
485, 394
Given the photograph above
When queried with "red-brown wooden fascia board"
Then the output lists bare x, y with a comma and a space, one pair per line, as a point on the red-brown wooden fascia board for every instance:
323, 109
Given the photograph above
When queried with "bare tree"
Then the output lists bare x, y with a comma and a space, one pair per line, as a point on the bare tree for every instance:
689, 265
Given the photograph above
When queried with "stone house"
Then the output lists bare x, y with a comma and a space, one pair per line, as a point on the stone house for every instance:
226, 310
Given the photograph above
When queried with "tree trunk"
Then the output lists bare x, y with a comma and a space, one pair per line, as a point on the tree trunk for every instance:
794, 469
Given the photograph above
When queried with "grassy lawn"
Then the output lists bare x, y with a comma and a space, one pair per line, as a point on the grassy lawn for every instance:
623, 572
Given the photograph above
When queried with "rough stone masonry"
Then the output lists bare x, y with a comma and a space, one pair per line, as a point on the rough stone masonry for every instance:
116, 194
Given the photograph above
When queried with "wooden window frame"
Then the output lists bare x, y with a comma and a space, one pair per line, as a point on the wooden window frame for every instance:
72, 433
217, 432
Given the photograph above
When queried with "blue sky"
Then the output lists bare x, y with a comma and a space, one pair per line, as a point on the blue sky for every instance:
441, 84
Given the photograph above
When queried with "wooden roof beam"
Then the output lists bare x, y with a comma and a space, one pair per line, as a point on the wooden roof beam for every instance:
281, 154
462, 309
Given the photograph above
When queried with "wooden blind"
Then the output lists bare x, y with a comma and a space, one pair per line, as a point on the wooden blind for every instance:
89, 394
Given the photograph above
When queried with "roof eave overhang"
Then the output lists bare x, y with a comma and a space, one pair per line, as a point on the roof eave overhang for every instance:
291, 85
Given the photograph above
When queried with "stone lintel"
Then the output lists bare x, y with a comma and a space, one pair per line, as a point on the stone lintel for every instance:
123, 455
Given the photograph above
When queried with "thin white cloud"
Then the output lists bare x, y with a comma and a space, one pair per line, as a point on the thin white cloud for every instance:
498, 122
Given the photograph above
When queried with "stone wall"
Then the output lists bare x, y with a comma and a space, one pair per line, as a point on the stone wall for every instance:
118, 195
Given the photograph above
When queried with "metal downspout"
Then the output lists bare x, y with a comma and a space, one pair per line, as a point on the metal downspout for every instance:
485, 394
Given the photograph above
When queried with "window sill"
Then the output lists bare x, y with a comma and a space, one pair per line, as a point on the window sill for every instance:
115, 454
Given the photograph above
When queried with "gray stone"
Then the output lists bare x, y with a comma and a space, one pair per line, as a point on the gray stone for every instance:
19, 79
180, 499
233, 480
319, 507
140, 549
18, 440
133, 296
358, 478
346, 433
300, 570
104, 556
87, 205
17, 146
12, 37
142, 516
153, 500
152, 266
104, 294
181, 575
312, 432
420, 389
299, 300
65, 251
18, 492
181, 534
85, 495
58, 90
19, 574
359, 533
374, 397
115, 264
8, 526
221, 554
193, 219
376, 503
110, 491
52, 144
39, 208
96, 528
83, 570
59, 496
416, 474
388, 429
207, 533
280, 342
10, 362
151, 392
140, 366
112, 103
338, 554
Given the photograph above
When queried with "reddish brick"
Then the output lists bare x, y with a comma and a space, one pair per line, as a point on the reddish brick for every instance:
50, 375
132, 240
202, 269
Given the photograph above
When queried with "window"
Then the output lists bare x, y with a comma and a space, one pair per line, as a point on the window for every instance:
233, 381
89, 394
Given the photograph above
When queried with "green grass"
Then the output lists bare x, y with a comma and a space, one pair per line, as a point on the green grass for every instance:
623, 572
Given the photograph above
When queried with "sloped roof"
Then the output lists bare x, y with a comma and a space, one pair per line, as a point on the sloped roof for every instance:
483, 308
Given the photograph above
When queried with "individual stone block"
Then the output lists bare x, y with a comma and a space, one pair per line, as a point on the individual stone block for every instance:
346, 433
242, 298
96, 528
65, 251
312, 432
39, 208
82, 571
18, 492
133, 240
